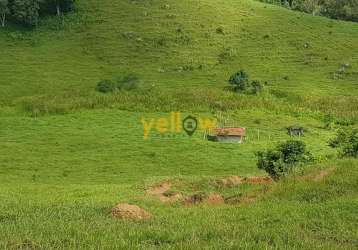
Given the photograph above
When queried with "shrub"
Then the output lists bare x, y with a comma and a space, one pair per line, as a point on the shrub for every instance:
106, 86
328, 121
280, 161
293, 152
220, 30
256, 87
271, 162
125, 82
346, 141
240, 80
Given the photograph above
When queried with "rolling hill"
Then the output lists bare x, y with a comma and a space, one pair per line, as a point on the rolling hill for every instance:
178, 44
68, 153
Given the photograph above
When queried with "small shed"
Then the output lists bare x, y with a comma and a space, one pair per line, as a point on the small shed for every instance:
227, 135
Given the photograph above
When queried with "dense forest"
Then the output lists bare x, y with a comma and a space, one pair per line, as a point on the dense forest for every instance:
28, 12
337, 9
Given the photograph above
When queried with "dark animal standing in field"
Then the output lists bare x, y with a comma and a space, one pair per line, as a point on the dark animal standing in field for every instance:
295, 131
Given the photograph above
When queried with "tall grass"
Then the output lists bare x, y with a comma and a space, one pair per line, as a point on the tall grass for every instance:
194, 100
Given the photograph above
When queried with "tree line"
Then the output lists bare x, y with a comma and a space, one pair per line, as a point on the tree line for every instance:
337, 9
28, 12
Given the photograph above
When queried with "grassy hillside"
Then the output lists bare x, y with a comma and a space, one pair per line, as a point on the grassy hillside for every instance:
176, 45
68, 154
302, 214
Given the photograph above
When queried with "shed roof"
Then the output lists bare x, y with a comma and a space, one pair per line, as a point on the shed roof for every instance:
230, 131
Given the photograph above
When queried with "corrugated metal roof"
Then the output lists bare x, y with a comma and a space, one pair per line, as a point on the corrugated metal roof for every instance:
230, 131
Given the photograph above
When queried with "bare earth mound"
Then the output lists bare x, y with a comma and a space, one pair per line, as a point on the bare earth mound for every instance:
231, 181
132, 212
162, 191
237, 180
196, 199
258, 180
215, 199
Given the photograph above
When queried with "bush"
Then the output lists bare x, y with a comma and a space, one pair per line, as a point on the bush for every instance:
328, 120
240, 82
293, 152
346, 141
256, 87
127, 82
280, 161
106, 86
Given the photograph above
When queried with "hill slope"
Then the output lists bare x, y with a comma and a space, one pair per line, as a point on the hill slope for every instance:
177, 44
68, 154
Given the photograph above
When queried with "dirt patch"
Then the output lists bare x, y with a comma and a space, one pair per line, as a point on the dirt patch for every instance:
258, 180
162, 191
159, 189
131, 212
194, 199
214, 199
316, 177
198, 198
248, 199
237, 180
234, 200
231, 181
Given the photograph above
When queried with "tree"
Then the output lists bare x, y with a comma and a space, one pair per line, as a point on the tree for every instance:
338, 9
347, 142
26, 11
240, 80
57, 7
280, 161
341, 9
4, 10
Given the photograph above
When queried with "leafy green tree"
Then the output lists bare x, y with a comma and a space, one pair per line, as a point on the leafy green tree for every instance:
57, 7
341, 9
239, 80
346, 141
279, 161
26, 11
4, 10
292, 151
337, 9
